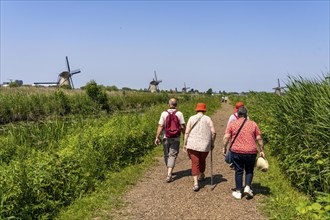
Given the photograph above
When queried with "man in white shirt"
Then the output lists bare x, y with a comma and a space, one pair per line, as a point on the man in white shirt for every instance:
171, 144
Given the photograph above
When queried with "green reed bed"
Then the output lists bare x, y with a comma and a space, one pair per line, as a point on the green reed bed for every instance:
303, 115
135, 100
34, 104
22, 106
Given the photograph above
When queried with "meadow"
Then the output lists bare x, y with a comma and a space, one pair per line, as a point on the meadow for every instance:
55, 151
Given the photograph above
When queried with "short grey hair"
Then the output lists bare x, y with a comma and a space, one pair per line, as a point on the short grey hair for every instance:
242, 112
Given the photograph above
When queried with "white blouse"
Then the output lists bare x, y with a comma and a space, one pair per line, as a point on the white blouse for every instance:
200, 137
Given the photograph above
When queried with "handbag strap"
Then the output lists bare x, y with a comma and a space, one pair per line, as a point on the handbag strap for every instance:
238, 132
196, 122
194, 125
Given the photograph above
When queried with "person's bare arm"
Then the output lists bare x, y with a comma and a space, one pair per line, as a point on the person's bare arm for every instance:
159, 131
261, 145
183, 128
186, 134
225, 142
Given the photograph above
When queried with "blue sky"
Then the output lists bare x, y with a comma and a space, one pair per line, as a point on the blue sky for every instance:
223, 45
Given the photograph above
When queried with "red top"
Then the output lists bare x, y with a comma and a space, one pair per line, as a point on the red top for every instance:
245, 142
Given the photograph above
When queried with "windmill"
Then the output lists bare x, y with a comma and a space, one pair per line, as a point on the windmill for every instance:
327, 79
278, 89
64, 78
17, 82
185, 88
153, 85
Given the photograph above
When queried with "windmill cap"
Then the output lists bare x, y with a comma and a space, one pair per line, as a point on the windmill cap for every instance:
262, 164
200, 107
238, 104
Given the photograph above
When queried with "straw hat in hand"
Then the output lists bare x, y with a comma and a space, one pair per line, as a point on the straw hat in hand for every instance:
262, 164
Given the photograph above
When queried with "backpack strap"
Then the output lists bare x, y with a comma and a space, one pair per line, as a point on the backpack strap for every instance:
236, 116
170, 112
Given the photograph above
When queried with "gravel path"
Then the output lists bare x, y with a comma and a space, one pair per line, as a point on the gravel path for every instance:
153, 198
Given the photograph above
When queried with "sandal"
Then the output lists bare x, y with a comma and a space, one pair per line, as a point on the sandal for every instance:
169, 179
196, 188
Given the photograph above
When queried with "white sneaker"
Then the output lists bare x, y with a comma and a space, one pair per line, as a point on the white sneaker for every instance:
248, 192
237, 195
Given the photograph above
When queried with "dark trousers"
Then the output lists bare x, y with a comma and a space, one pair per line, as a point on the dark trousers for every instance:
243, 162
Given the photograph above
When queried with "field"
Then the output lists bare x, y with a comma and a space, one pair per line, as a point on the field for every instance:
59, 145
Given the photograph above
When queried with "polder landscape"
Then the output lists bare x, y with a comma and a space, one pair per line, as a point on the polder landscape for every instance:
77, 154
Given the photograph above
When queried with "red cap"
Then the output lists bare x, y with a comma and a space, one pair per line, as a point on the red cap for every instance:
238, 104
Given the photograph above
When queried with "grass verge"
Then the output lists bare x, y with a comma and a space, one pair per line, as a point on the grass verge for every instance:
108, 195
282, 199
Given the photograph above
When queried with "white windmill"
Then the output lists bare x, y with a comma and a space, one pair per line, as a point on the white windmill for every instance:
278, 89
153, 85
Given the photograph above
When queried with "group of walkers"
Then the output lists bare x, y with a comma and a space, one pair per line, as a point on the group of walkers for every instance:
199, 138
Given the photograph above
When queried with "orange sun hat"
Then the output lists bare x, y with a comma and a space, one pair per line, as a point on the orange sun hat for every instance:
238, 104
201, 107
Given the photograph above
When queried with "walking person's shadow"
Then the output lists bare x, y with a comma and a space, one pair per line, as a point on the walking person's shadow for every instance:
182, 173
217, 179
259, 189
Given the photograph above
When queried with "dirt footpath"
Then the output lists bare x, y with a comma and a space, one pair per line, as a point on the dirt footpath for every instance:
153, 198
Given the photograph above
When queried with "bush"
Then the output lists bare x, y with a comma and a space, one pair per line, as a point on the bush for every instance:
98, 94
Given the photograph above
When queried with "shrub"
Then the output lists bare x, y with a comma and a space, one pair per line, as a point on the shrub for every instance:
98, 94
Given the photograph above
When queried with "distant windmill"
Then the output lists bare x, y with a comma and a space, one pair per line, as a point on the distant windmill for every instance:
278, 89
64, 78
327, 79
185, 88
153, 85
17, 82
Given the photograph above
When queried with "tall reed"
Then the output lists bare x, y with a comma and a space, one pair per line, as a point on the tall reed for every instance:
303, 127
